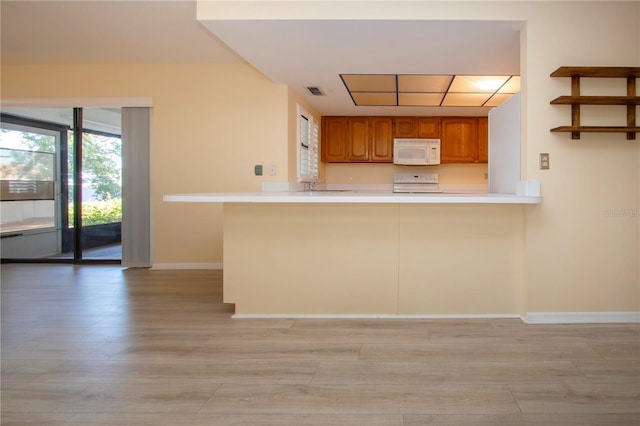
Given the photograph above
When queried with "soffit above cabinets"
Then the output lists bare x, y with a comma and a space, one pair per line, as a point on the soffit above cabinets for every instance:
430, 90
313, 52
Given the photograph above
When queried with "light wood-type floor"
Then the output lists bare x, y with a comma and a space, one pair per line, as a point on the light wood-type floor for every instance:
99, 345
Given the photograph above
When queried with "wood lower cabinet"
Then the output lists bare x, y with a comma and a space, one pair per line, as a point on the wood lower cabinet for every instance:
460, 141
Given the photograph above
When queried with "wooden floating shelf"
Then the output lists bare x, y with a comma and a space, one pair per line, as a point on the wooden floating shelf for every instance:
597, 129
596, 100
575, 100
597, 72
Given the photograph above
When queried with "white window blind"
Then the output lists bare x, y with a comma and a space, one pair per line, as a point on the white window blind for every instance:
307, 147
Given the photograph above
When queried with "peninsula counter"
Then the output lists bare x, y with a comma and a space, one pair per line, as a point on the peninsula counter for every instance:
350, 253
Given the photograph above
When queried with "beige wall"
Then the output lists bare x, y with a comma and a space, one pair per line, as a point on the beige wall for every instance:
210, 125
311, 259
373, 259
579, 258
462, 259
578, 254
382, 173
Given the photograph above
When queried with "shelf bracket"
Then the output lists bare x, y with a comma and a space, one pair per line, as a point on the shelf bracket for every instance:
631, 109
575, 108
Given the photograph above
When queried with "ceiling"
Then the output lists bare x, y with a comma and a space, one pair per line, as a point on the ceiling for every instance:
83, 32
296, 53
315, 53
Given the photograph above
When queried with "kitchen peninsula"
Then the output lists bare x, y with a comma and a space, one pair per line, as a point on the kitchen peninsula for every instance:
371, 253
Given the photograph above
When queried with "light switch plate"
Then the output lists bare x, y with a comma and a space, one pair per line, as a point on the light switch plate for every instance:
544, 161
258, 169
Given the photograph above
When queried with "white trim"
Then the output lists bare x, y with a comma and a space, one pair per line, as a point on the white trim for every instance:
581, 317
372, 316
159, 266
76, 102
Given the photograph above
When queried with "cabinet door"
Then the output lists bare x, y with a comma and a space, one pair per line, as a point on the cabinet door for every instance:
358, 139
334, 139
429, 127
483, 140
405, 127
381, 137
459, 140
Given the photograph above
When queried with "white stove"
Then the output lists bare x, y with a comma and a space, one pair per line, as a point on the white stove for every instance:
415, 182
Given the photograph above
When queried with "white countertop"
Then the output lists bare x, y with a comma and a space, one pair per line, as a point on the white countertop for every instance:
351, 196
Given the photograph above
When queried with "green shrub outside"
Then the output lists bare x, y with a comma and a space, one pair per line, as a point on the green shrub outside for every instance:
99, 212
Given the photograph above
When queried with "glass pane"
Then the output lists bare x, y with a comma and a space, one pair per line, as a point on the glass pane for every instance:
28, 175
101, 188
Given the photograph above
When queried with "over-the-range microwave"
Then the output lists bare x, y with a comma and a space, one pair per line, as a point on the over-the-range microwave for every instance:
416, 152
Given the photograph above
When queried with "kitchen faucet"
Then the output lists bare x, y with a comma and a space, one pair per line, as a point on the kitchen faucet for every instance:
310, 186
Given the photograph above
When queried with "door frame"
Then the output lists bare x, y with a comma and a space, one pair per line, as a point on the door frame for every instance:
144, 102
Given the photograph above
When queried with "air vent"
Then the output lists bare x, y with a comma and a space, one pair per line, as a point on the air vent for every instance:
315, 91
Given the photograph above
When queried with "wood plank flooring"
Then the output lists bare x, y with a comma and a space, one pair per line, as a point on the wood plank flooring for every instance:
101, 345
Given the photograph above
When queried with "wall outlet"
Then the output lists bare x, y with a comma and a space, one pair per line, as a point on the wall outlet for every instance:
257, 169
273, 170
544, 161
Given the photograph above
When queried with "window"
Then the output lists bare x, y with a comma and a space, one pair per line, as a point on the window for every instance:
307, 147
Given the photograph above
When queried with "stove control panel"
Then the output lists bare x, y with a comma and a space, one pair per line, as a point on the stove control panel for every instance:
415, 178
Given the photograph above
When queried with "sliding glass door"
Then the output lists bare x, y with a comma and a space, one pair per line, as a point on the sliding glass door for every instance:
98, 185
61, 181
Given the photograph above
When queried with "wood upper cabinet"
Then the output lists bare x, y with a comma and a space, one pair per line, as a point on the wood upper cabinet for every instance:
483, 140
405, 127
357, 139
381, 139
416, 127
334, 139
459, 140
429, 127
370, 139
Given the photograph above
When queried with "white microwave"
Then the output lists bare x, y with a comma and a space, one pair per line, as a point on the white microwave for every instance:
416, 152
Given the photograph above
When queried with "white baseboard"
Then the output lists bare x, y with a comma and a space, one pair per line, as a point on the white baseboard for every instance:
374, 316
581, 317
531, 318
186, 266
